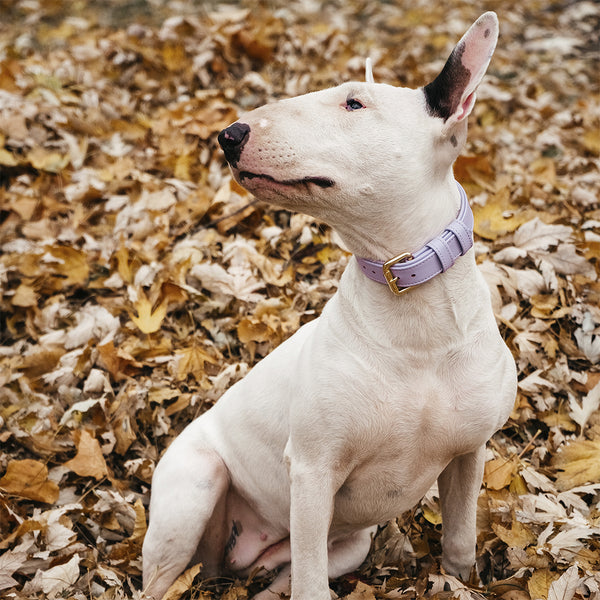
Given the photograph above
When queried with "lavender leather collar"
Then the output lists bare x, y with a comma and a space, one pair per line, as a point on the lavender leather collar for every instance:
406, 270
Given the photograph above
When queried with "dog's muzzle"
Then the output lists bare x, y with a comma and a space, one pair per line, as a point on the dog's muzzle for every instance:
232, 140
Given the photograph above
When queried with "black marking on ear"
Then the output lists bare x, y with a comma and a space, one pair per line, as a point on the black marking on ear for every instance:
486, 33
443, 94
454, 141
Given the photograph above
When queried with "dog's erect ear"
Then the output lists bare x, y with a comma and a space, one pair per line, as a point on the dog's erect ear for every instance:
451, 95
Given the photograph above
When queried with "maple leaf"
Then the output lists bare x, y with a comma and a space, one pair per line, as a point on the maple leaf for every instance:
580, 413
149, 318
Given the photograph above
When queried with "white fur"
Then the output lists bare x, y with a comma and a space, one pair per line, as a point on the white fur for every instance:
350, 421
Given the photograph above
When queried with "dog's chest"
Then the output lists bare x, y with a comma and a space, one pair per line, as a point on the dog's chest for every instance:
398, 451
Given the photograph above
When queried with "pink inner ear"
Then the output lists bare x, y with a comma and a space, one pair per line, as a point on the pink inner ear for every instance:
466, 107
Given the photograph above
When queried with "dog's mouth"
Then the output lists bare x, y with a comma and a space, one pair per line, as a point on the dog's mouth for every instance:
322, 182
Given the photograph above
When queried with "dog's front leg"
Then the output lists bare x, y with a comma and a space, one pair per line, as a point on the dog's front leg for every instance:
459, 486
311, 508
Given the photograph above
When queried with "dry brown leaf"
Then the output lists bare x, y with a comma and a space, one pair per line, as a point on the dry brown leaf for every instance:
539, 583
117, 361
29, 479
182, 584
25, 296
191, 362
517, 536
362, 591
89, 460
253, 330
577, 463
499, 473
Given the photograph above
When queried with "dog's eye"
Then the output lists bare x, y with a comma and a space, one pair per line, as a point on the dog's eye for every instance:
354, 104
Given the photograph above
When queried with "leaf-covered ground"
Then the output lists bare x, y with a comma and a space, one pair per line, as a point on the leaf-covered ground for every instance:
137, 281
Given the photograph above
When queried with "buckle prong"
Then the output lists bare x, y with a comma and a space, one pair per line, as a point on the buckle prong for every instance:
389, 277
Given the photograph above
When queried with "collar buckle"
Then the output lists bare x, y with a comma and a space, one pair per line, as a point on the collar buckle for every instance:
389, 276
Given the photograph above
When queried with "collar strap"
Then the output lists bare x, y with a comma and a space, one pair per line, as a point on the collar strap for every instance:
407, 270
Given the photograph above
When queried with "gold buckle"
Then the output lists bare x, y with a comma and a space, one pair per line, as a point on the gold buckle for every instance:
389, 277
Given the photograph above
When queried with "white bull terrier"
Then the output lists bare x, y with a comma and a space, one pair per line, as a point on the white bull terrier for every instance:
348, 423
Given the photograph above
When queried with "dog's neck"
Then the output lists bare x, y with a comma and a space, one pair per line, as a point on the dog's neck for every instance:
436, 308
407, 269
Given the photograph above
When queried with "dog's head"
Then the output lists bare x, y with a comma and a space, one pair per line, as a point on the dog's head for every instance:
355, 154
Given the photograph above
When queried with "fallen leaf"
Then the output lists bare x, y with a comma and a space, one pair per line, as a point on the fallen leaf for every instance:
9, 562
25, 296
566, 585
89, 460
577, 463
539, 583
499, 473
362, 591
580, 413
499, 216
182, 584
57, 579
29, 479
149, 318
191, 362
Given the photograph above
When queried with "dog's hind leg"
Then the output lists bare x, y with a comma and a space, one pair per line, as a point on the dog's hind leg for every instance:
344, 556
459, 486
187, 516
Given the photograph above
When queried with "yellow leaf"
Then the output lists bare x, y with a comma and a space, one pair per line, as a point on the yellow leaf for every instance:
544, 170
432, 516
577, 463
7, 158
591, 140
174, 56
250, 330
543, 305
517, 536
498, 216
499, 473
139, 527
191, 362
89, 460
70, 268
182, 584
25, 296
539, 583
52, 162
29, 479
149, 319
182, 167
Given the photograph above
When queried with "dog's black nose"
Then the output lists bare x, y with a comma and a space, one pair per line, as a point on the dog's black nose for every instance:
232, 140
